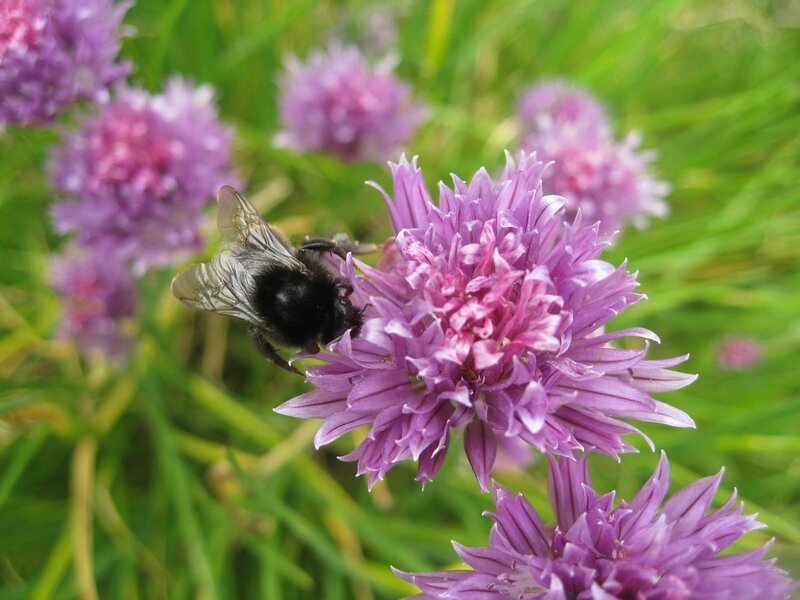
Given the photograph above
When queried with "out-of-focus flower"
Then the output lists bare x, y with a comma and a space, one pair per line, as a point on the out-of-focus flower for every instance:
738, 353
336, 102
513, 454
380, 30
141, 170
54, 52
488, 313
99, 295
558, 103
371, 27
639, 549
608, 180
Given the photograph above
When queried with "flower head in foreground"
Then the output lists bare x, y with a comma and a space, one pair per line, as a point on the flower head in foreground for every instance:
738, 353
641, 549
99, 295
336, 102
607, 180
53, 52
141, 171
488, 312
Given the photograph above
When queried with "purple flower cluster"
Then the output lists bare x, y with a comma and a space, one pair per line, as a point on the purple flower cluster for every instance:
141, 170
557, 103
54, 52
336, 102
99, 296
608, 180
487, 312
641, 549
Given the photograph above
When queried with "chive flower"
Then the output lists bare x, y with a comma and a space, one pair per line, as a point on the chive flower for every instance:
139, 172
337, 102
488, 313
609, 180
54, 52
647, 549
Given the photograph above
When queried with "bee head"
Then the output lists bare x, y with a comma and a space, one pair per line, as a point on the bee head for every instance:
343, 317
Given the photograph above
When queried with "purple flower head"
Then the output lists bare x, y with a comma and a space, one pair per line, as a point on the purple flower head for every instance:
555, 102
641, 549
487, 313
99, 296
336, 102
607, 180
54, 52
739, 353
141, 170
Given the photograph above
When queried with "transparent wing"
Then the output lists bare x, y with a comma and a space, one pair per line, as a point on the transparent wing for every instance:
222, 286
252, 241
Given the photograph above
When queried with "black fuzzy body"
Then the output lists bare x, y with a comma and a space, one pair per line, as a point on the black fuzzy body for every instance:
303, 308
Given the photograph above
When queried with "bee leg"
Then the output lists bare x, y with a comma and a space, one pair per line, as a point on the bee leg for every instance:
267, 350
353, 246
324, 245
339, 245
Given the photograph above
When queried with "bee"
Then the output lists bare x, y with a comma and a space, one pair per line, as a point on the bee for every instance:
287, 294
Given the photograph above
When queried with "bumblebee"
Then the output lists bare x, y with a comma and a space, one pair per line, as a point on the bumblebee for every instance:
287, 294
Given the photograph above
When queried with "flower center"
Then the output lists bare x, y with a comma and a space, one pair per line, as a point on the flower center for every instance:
487, 310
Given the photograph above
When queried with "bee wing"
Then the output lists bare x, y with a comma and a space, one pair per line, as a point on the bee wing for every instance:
222, 286
253, 242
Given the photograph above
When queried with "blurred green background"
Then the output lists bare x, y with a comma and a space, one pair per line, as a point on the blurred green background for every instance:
174, 478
